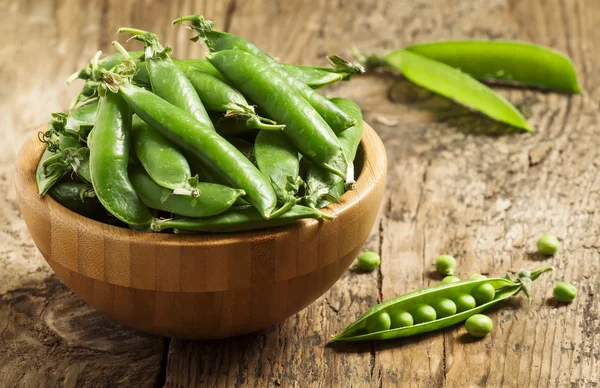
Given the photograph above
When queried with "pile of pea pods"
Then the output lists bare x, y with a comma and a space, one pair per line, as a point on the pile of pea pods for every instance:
235, 141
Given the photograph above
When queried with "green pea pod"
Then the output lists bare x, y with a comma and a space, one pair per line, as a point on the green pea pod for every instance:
167, 79
519, 62
504, 288
220, 41
109, 158
456, 85
304, 127
215, 198
278, 160
82, 119
313, 76
201, 65
196, 138
220, 97
317, 76
163, 160
350, 138
206, 174
237, 220
322, 187
78, 197
47, 178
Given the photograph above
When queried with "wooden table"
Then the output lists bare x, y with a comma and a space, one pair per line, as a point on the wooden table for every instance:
458, 183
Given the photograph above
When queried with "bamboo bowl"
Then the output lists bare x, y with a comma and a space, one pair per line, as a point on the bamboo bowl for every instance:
202, 286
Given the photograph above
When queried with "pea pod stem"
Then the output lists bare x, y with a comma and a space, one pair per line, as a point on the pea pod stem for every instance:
109, 158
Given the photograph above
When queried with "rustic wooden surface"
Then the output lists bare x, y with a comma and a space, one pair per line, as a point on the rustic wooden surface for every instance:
457, 183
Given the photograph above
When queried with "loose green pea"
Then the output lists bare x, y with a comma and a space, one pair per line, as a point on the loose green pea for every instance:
464, 302
423, 313
444, 308
450, 280
564, 292
479, 325
368, 261
379, 322
401, 318
445, 264
477, 276
548, 245
483, 293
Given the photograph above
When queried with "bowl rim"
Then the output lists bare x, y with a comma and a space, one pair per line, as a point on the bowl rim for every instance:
374, 167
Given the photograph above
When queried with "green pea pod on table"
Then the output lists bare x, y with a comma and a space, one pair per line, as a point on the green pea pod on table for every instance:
78, 197
215, 198
238, 220
194, 137
220, 41
519, 62
456, 85
167, 79
278, 159
323, 187
502, 289
163, 160
109, 159
304, 126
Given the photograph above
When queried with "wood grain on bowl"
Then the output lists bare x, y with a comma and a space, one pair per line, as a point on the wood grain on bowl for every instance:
207, 285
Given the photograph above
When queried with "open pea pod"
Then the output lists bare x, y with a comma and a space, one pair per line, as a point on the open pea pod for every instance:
504, 288
456, 85
519, 62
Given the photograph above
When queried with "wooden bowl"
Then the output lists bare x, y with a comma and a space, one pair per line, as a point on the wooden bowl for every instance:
202, 286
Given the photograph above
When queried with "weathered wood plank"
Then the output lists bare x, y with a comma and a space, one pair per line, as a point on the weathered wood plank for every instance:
457, 184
